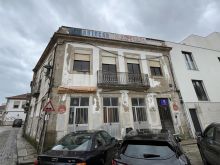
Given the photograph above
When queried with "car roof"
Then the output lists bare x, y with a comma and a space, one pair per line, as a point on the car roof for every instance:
149, 135
87, 132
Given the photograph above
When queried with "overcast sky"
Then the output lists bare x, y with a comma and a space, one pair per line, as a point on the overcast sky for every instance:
26, 26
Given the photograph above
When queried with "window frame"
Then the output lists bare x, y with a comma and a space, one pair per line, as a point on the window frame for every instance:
201, 86
73, 59
19, 102
73, 108
111, 108
160, 70
190, 55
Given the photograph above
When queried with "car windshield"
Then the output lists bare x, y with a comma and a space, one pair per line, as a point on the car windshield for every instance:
148, 151
74, 142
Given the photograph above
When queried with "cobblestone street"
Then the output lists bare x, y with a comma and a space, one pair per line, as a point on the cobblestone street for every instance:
8, 151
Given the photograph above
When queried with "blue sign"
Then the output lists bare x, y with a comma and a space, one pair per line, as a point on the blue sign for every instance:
164, 102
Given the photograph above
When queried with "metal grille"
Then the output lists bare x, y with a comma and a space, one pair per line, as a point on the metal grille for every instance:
139, 113
81, 116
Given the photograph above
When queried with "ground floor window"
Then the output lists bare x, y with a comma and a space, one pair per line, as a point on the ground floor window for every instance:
110, 110
79, 110
139, 109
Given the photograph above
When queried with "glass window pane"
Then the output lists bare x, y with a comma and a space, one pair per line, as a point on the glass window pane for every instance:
134, 101
84, 101
77, 65
134, 113
136, 68
106, 101
85, 65
143, 150
71, 115
141, 102
200, 92
74, 102
105, 114
130, 68
114, 101
105, 67
112, 68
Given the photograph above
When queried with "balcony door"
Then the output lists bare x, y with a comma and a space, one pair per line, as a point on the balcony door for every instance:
134, 73
109, 73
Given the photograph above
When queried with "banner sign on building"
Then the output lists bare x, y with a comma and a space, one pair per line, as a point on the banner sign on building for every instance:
112, 36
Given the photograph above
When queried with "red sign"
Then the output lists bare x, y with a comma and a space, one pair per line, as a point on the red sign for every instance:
175, 107
48, 107
62, 109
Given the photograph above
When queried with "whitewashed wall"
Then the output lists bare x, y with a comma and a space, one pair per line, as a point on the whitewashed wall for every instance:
208, 71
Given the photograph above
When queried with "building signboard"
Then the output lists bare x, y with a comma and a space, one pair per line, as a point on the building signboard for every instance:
111, 36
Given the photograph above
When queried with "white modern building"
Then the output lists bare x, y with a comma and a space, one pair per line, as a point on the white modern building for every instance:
15, 108
196, 65
100, 80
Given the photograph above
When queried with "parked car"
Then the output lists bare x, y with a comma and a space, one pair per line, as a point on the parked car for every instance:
153, 148
209, 144
81, 148
17, 123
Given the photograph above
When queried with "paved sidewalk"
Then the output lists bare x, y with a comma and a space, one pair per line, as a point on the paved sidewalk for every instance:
192, 151
26, 152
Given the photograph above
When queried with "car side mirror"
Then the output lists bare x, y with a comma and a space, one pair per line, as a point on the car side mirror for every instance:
198, 134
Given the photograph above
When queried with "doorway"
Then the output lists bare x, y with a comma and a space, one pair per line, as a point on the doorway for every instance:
165, 114
195, 120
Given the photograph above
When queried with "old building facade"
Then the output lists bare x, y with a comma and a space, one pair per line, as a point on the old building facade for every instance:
99, 80
196, 64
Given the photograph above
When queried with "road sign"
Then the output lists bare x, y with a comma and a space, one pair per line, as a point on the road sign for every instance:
62, 109
48, 107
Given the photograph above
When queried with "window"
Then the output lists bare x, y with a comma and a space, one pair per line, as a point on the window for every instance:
16, 104
81, 66
189, 61
110, 110
82, 60
155, 68
219, 59
199, 89
138, 109
79, 110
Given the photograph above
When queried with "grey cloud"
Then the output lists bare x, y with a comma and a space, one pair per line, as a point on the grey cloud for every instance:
27, 25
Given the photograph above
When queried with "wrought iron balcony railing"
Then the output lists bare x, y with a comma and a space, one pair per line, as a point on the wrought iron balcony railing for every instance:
122, 80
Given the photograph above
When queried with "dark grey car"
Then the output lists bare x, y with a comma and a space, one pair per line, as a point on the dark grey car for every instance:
150, 148
209, 144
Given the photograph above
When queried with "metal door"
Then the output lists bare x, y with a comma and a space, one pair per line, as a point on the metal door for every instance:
111, 121
195, 120
165, 114
79, 119
139, 113
140, 118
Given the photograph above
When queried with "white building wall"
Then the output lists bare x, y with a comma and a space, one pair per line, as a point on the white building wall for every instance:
14, 113
208, 66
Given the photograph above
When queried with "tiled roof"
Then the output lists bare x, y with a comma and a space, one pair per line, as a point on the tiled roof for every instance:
25, 96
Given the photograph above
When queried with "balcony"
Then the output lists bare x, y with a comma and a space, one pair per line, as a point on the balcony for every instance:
122, 80
35, 89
